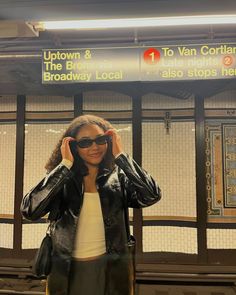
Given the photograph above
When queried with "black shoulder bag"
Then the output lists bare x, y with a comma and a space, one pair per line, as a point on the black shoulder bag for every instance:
43, 259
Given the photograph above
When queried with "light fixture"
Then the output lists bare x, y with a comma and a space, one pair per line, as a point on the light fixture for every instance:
139, 22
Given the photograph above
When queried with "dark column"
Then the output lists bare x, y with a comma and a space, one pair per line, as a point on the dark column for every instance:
19, 173
78, 104
201, 179
137, 155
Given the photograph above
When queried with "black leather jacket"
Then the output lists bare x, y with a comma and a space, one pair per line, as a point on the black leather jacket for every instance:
61, 194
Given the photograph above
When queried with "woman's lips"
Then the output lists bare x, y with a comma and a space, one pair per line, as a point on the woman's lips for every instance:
96, 155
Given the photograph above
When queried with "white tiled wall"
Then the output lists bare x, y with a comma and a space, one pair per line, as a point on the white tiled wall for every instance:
49, 103
7, 167
7, 103
125, 131
221, 238
159, 101
32, 235
106, 101
170, 239
170, 159
223, 100
6, 236
40, 140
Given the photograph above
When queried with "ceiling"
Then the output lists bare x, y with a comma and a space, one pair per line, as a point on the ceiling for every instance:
22, 75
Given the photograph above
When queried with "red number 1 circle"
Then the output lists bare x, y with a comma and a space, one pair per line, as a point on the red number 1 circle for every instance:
151, 56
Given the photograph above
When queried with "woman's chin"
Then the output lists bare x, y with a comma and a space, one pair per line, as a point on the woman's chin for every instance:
93, 163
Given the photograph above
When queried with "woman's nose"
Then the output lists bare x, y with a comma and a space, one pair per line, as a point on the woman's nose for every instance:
94, 145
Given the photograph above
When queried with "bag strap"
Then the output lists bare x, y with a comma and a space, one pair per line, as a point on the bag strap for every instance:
126, 213
48, 231
50, 227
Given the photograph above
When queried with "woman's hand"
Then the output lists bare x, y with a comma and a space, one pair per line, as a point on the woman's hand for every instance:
116, 142
65, 149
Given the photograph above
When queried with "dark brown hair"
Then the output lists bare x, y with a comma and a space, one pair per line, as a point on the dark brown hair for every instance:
72, 131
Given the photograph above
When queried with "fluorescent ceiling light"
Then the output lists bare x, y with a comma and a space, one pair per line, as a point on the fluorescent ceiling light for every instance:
140, 22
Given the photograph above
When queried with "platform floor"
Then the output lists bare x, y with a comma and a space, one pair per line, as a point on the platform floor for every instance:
150, 289
36, 287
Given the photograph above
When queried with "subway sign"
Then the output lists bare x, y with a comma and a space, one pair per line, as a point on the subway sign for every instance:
143, 63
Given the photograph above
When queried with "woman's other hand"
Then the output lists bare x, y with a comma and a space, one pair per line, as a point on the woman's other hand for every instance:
65, 149
116, 142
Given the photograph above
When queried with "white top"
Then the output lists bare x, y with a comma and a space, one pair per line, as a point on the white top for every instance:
90, 235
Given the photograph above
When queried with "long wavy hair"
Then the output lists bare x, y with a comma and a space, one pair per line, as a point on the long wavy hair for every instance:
72, 130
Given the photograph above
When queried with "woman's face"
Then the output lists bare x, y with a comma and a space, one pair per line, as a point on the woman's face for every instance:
94, 154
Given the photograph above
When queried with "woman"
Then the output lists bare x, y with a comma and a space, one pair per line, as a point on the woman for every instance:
91, 182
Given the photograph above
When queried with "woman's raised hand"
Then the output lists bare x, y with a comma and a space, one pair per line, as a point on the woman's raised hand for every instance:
116, 142
65, 149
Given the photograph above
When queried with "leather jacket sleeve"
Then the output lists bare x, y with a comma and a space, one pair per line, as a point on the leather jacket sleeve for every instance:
140, 188
38, 201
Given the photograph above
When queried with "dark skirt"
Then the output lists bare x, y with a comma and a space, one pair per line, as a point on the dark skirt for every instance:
88, 277
106, 275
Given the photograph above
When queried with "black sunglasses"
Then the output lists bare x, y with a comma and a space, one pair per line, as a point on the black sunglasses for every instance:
87, 142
